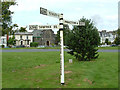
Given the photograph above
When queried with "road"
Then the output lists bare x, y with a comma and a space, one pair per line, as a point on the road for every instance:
47, 50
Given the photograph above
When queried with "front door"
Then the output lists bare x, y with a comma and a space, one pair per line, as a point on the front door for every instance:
21, 42
47, 43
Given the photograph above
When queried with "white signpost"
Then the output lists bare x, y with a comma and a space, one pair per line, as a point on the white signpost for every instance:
71, 22
61, 22
43, 27
60, 16
48, 13
74, 23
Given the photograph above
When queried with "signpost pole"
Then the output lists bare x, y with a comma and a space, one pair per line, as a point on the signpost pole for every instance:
62, 48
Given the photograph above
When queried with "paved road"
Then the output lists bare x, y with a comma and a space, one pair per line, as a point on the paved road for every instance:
46, 50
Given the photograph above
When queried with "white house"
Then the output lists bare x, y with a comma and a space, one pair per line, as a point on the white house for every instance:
107, 35
3, 40
23, 38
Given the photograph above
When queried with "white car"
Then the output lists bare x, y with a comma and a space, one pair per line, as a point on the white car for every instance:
105, 46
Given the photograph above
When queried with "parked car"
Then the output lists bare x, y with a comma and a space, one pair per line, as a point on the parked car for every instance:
13, 46
6, 47
21, 46
113, 45
41, 46
104, 46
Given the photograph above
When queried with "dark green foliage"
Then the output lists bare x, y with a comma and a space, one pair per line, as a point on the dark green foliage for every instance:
11, 41
106, 41
2, 46
6, 17
117, 39
83, 40
65, 32
22, 29
109, 43
33, 44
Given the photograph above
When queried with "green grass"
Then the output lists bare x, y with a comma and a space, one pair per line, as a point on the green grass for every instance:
42, 70
111, 48
32, 48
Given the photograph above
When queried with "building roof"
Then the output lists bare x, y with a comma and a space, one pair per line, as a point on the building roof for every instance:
23, 33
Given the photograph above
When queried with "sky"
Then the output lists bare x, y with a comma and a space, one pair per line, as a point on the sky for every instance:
104, 13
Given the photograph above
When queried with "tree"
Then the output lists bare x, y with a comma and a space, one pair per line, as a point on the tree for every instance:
65, 32
6, 16
106, 41
117, 41
83, 40
22, 29
10, 29
11, 41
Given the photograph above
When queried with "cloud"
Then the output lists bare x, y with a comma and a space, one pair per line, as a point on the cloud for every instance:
97, 19
101, 11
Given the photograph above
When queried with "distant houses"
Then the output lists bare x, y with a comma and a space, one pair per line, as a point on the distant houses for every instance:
47, 37
111, 35
43, 37
3, 40
23, 38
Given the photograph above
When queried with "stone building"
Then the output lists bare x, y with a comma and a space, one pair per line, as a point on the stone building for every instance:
44, 37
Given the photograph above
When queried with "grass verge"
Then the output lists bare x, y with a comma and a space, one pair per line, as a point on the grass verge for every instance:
42, 70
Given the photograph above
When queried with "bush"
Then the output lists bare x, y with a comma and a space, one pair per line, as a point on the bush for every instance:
33, 44
109, 43
2, 46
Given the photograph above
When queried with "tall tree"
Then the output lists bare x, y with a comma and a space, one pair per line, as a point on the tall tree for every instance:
6, 16
66, 30
22, 29
117, 39
83, 40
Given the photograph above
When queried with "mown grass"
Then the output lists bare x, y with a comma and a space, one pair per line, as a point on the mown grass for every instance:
42, 70
104, 48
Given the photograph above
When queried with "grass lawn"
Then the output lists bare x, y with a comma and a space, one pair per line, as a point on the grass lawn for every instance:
42, 70
111, 48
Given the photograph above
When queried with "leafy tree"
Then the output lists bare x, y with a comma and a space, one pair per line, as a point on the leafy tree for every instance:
65, 32
11, 41
117, 41
106, 41
83, 40
109, 43
22, 29
10, 29
118, 32
6, 17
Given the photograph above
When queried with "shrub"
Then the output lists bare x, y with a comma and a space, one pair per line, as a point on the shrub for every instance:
33, 44
2, 46
82, 41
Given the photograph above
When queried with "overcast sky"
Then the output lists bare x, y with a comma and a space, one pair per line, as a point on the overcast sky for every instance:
103, 12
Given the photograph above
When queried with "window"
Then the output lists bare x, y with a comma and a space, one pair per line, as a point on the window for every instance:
21, 37
21, 42
27, 37
27, 42
3, 41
